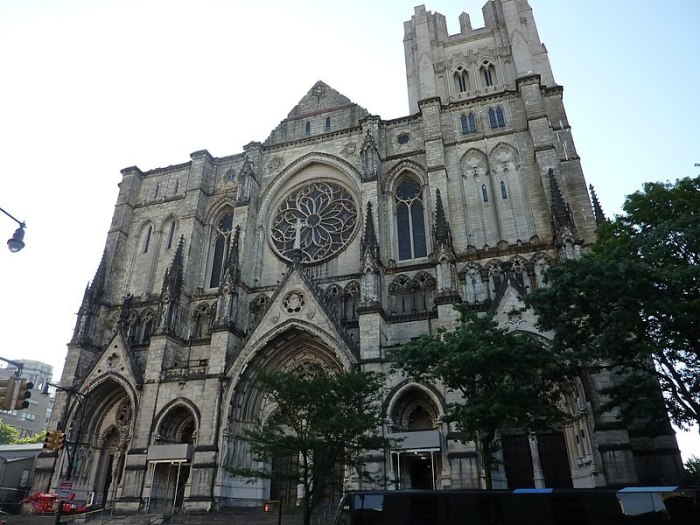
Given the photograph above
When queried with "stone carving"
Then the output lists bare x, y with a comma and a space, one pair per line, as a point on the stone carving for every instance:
275, 163
349, 149
319, 90
294, 302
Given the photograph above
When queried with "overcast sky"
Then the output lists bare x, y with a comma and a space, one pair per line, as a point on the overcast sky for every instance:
89, 87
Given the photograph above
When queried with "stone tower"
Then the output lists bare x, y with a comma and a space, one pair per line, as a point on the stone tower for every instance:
338, 238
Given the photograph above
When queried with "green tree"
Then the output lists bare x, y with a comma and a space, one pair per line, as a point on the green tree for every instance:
327, 421
510, 382
36, 438
8, 434
633, 303
692, 469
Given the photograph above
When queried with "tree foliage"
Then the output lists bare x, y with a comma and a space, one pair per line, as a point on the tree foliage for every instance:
327, 421
510, 382
36, 438
8, 434
692, 469
633, 302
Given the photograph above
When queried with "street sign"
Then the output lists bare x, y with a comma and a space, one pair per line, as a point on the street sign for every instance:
64, 489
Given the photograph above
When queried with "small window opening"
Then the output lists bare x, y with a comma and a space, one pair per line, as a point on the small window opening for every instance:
308, 128
489, 74
499, 117
328, 123
484, 193
148, 239
171, 235
504, 193
468, 123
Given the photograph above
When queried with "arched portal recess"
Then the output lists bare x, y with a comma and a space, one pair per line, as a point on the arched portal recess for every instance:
99, 428
294, 350
170, 456
417, 459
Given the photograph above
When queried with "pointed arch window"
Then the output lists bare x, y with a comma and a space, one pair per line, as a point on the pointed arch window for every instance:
222, 243
500, 119
461, 78
410, 220
496, 118
147, 242
489, 73
307, 128
504, 193
484, 193
468, 123
328, 123
171, 235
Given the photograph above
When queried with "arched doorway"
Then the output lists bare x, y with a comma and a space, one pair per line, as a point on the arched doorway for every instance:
169, 458
417, 460
293, 350
99, 428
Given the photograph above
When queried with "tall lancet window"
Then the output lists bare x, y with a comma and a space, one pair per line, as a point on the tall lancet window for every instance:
461, 80
410, 220
489, 74
221, 245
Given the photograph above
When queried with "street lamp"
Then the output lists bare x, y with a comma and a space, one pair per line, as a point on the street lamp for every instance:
16, 242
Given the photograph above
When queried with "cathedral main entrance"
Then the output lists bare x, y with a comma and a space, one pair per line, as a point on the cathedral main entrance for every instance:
169, 479
416, 469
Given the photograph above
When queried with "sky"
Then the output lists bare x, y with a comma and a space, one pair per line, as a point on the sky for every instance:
88, 88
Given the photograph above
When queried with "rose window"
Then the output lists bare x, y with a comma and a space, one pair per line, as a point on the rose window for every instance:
320, 216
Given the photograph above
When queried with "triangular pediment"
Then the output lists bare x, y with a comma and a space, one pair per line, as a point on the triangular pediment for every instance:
114, 360
511, 310
321, 98
321, 110
296, 305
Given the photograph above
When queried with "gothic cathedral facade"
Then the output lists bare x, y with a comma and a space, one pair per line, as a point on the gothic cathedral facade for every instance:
338, 238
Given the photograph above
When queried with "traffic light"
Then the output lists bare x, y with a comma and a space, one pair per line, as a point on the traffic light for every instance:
7, 389
23, 393
50, 440
60, 440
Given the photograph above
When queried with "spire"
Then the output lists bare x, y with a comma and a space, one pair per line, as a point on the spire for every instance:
231, 262
561, 213
170, 293
90, 306
172, 280
369, 245
95, 289
441, 230
597, 210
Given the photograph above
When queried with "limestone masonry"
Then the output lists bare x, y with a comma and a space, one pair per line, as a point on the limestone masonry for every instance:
337, 239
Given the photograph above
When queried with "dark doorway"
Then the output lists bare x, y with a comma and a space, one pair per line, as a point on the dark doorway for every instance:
420, 471
518, 462
108, 480
282, 489
554, 460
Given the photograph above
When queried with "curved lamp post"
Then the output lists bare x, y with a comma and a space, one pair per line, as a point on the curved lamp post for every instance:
16, 242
